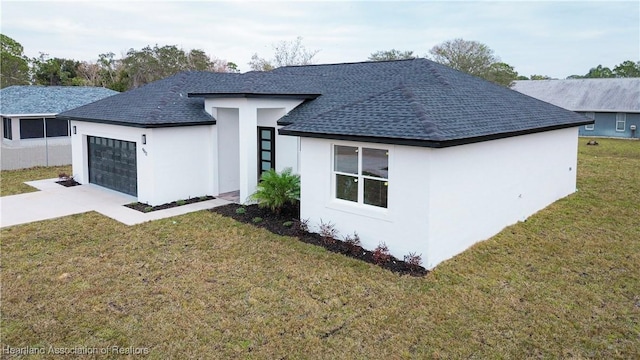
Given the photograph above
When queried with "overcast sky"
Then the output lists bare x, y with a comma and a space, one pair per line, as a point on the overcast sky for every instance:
555, 38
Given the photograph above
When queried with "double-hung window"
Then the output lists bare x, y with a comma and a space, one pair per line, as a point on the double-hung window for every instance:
591, 116
621, 119
361, 174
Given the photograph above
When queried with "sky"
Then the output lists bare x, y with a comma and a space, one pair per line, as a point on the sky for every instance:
554, 38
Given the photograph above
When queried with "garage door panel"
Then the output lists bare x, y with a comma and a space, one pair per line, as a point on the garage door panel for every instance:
112, 164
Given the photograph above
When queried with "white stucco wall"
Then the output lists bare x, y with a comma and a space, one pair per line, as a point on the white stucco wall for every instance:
402, 226
478, 189
442, 201
182, 159
176, 163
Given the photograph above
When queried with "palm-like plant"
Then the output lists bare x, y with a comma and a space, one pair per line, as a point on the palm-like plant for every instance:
275, 190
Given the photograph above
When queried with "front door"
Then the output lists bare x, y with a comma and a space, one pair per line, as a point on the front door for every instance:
266, 149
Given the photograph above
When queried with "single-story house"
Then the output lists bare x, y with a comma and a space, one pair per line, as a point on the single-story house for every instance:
411, 153
31, 133
613, 103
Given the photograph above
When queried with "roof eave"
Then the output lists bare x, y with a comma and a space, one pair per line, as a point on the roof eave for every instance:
140, 125
253, 95
426, 142
29, 115
628, 111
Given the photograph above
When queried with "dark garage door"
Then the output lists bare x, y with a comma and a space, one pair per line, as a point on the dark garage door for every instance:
112, 164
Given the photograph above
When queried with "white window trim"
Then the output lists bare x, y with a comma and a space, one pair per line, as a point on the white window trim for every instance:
592, 116
360, 208
621, 118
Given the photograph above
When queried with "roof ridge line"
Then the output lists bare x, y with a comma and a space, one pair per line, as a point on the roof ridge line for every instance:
416, 59
420, 112
434, 71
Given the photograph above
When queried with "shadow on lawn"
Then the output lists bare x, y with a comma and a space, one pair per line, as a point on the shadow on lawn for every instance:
287, 224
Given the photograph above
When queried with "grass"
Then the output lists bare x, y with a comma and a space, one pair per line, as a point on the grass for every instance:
563, 284
12, 181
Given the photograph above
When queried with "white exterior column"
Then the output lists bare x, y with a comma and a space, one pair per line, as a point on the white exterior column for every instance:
248, 124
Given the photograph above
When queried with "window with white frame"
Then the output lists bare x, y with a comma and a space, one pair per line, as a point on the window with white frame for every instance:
591, 116
621, 120
361, 174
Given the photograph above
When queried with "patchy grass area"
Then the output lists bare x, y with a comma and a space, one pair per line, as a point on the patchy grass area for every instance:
12, 181
564, 284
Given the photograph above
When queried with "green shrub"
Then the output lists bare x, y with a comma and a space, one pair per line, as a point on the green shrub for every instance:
148, 209
181, 202
241, 210
257, 219
275, 190
287, 224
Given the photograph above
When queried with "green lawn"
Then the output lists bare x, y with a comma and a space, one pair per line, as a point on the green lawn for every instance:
12, 181
564, 284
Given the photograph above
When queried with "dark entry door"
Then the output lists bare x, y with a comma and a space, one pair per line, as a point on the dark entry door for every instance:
266, 149
112, 164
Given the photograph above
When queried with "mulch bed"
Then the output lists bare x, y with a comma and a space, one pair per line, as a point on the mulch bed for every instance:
68, 182
274, 223
145, 208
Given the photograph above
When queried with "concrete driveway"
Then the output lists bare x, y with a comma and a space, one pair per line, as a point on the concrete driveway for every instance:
54, 200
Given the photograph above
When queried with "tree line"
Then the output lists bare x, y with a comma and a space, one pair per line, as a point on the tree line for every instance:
139, 67
134, 69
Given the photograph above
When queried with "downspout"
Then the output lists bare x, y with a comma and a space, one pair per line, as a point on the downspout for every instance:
46, 142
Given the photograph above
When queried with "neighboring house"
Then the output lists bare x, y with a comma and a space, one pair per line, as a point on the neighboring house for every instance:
413, 153
614, 103
31, 133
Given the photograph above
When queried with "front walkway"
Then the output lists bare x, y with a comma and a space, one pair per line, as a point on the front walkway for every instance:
54, 200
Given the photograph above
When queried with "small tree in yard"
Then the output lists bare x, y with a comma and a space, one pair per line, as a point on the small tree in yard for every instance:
275, 190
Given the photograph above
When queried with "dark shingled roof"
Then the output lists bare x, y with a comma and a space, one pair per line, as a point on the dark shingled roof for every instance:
412, 102
162, 103
25, 100
417, 102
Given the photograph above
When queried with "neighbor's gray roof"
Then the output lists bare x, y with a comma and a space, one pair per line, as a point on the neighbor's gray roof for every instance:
24, 100
414, 102
598, 95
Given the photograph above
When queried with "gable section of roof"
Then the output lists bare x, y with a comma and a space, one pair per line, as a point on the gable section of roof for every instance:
27, 99
599, 95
